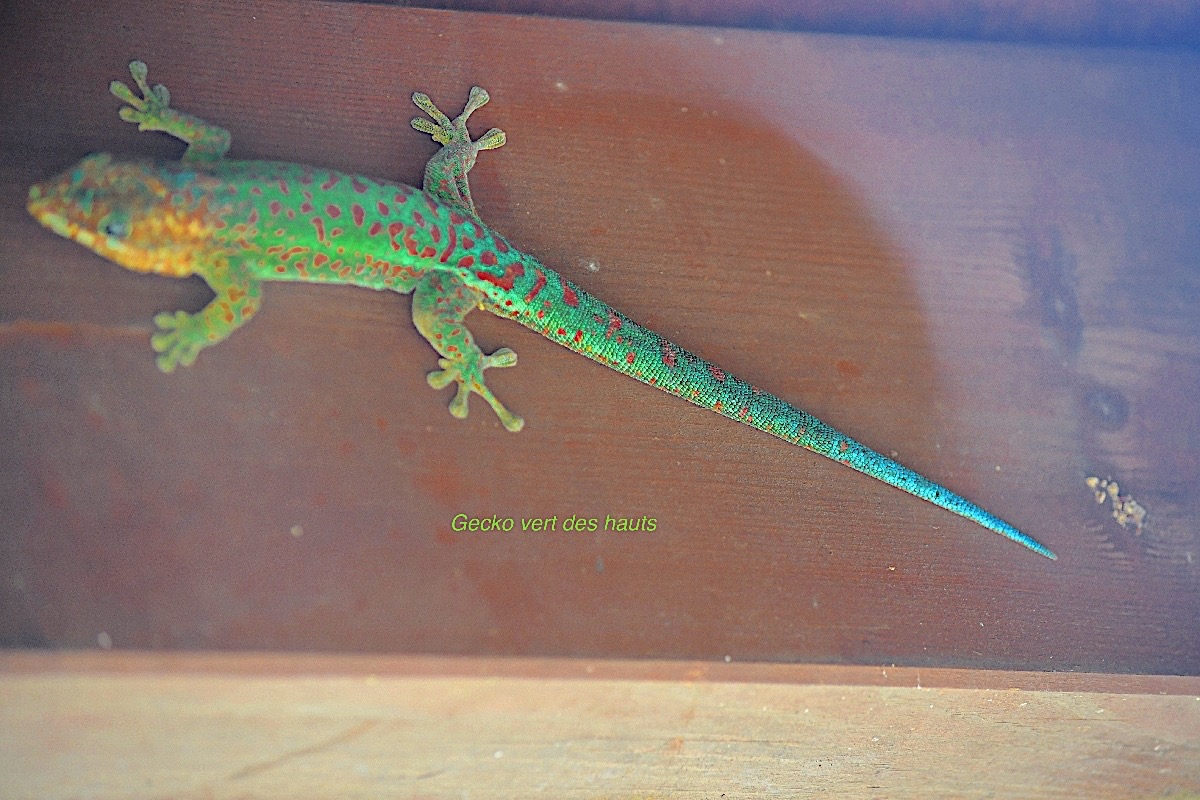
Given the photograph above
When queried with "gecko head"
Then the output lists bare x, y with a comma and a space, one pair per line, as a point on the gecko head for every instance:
145, 216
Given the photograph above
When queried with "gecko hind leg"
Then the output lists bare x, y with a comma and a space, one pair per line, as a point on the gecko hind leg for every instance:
440, 302
446, 172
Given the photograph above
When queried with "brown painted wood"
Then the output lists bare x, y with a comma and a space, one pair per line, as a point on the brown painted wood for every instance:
1169, 23
979, 257
251, 726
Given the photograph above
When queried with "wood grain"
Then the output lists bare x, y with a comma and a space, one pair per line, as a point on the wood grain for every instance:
293, 726
980, 257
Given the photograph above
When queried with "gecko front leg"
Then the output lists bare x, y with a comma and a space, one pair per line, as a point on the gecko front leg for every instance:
181, 336
207, 143
440, 302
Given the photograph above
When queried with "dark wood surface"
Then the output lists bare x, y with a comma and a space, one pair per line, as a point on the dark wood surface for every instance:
979, 257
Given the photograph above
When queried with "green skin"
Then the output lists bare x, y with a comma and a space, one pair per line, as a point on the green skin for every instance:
239, 223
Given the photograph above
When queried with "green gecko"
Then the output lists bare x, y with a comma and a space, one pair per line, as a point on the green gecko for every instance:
237, 224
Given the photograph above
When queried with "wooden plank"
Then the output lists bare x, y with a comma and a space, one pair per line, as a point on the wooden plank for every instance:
980, 257
18, 662
75, 726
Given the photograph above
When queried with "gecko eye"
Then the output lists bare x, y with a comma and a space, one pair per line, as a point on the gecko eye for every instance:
114, 227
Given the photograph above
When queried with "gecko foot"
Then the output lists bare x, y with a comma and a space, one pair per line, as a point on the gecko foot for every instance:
469, 376
147, 111
447, 132
152, 112
180, 338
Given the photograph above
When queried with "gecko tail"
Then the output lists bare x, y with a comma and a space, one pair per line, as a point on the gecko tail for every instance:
594, 329
827, 441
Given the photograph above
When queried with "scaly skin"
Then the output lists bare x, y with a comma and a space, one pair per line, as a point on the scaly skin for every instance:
239, 223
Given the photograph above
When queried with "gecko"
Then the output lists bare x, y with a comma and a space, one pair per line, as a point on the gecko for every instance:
238, 224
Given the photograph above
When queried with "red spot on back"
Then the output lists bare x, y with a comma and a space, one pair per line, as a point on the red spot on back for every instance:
717, 372
488, 257
505, 281
358, 213
333, 211
501, 245
435, 233
578, 337
331, 182
614, 324
358, 185
253, 217
466, 261
320, 260
306, 207
457, 218
630, 356
433, 206
467, 242
450, 245
538, 285
418, 219
319, 224
668, 354
256, 190
275, 207
375, 228
306, 178
283, 186
569, 296
428, 251
393, 229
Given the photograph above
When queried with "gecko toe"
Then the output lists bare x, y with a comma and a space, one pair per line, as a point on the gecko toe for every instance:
469, 377
502, 358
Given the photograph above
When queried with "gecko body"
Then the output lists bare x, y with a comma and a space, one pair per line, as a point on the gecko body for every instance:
238, 224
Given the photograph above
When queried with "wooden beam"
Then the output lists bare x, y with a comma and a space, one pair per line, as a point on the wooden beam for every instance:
251, 726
